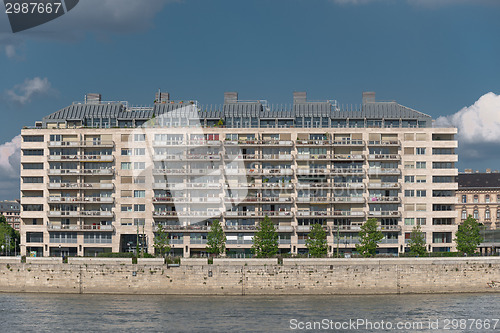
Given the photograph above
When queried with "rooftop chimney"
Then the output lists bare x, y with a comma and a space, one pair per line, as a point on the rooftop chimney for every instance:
368, 97
468, 170
230, 97
299, 97
93, 99
488, 170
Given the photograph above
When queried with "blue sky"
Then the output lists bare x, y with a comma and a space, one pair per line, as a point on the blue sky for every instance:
438, 57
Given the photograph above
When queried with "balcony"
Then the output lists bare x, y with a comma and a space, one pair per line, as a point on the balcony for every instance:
348, 143
391, 143
178, 227
258, 199
80, 199
314, 157
389, 228
203, 157
280, 157
93, 144
384, 157
391, 213
168, 143
385, 185
279, 143
347, 171
349, 199
303, 171
384, 200
161, 172
349, 185
83, 158
96, 213
78, 227
383, 171
314, 199
242, 157
314, 185
239, 241
285, 228
202, 143
312, 142
57, 213
107, 171
284, 241
348, 157
240, 228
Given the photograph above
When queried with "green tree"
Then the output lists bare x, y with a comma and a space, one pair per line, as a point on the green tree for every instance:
316, 241
468, 236
265, 240
220, 123
216, 239
161, 242
417, 242
369, 237
9, 237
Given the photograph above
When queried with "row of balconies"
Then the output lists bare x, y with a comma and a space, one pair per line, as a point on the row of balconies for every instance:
77, 186
81, 199
84, 158
298, 142
79, 227
81, 213
93, 144
107, 171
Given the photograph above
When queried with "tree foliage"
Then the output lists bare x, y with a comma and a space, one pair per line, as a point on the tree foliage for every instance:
417, 242
468, 236
8, 236
161, 242
369, 237
216, 239
316, 241
265, 240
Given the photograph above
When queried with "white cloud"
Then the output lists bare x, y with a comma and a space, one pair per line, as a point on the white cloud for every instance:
10, 156
478, 123
24, 92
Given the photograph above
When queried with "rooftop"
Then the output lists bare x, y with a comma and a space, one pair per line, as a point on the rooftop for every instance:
478, 180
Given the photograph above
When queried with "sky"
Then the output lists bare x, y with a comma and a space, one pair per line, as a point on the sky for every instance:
441, 57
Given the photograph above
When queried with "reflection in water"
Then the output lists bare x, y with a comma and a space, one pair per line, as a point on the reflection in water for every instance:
90, 313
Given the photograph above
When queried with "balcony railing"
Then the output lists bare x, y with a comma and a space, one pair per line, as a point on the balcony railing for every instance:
383, 171
239, 241
78, 227
108, 171
318, 142
348, 157
77, 186
100, 158
383, 199
81, 199
384, 143
384, 157
348, 143
349, 185
314, 157
96, 144
259, 199
390, 213
384, 185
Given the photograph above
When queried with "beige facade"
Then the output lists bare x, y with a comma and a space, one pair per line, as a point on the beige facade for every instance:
88, 190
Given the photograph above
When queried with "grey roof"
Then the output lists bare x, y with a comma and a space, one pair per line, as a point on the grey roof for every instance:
370, 110
478, 180
9, 206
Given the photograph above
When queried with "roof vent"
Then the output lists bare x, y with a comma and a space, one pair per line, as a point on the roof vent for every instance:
230, 97
93, 99
368, 97
299, 97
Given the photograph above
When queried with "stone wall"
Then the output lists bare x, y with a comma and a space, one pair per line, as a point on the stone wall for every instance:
294, 276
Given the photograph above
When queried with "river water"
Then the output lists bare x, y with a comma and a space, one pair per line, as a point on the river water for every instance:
138, 313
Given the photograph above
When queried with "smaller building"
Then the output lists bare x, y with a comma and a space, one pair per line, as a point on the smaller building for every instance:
479, 195
10, 209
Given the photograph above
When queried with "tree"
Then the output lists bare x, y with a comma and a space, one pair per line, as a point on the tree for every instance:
468, 236
265, 240
8, 236
161, 242
369, 237
220, 123
316, 241
417, 242
216, 239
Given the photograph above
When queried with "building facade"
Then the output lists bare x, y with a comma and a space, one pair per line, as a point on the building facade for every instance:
102, 176
479, 196
11, 210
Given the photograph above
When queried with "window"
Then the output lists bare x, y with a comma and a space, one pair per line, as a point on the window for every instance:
139, 208
409, 193
139, 165
126, 208
410, 221
140, 151
487, 198
442, 208
498, 214
443, 179
421, 165
420, 151
126, 152
97, 237
421, 207
421, 137
139, 221
140, 180
32, 166
443, 165
32, 180
126, 194
443, 151
139, 137
126, 165
442, 221
63, 237
409, 207
410, 165
139, 194
409, 151
55, 137
33, 152
34, 237
421, 179
125, 137
464, 214
409, 179
487, 214
476, 214
464, 198
476, 198
33, 138
498, 198
421, 221
409, 137
32, 208
421, 193
126, 180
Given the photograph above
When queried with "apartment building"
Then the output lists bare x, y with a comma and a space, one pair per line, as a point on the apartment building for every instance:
11, 210
479, 196
102, 176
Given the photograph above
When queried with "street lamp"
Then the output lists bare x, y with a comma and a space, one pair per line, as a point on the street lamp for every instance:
3, 246
60, 252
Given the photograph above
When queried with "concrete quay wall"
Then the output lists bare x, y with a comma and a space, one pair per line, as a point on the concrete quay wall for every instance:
255, 277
